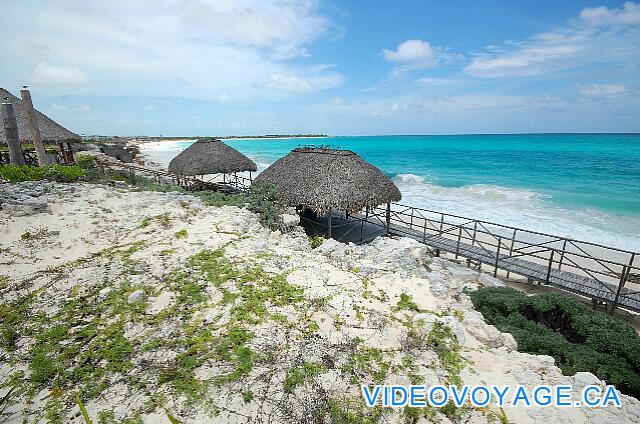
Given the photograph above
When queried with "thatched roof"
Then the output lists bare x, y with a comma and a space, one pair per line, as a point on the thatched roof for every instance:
321, 179
50, 131
210, 156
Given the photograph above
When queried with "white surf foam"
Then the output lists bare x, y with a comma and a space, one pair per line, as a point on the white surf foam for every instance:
521, 208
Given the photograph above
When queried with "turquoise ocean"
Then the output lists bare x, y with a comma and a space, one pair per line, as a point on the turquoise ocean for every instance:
583, 186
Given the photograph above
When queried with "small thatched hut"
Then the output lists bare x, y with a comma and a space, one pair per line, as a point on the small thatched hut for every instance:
324, 180
210, 156
50, 131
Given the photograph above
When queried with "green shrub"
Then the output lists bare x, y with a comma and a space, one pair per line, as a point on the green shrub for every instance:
316, 241
89, 166
15, 173
264, 201
578, 337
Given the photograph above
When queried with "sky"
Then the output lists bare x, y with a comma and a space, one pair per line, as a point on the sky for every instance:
357, 67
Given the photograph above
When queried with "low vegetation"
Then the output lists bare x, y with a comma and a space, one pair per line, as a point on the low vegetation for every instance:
578, 337
54, 172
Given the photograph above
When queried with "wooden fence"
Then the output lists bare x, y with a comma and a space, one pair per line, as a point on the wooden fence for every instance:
604, 273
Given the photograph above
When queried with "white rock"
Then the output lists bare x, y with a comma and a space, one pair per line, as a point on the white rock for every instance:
455, 326
463, 274
490, 281
105, 291
509, 342
289, 220
135, 296
586, 379
160, 302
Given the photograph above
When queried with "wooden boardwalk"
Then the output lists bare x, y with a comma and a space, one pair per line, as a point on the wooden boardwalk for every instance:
443, 236
163, 177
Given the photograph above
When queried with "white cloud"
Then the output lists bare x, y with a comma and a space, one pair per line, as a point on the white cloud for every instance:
151, 107
600, 35
431, 81
413, 52
601, 90
56, 106
192, 48
628, 14
450, 105
304, 83
63, 75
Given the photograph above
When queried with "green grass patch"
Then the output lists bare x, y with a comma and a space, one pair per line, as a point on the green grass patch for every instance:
300, 374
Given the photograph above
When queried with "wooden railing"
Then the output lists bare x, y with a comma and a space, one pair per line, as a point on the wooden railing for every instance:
164, 177
610, 268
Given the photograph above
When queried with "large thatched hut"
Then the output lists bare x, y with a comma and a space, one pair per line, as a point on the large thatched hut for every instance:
211, 156
50, 131
324, 180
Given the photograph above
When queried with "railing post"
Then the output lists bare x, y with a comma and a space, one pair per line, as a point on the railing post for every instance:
411, 222
564, 248
623, 280
550, 266
495, 270
475, 229
458, 243
441, 222
513, 241
424, 230
388, 218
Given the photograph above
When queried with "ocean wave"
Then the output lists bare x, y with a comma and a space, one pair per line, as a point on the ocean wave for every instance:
408, 179
521, 208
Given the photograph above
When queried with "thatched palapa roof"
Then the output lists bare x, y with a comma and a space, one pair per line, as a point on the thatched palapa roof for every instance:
322, 179
50, 131
210, 156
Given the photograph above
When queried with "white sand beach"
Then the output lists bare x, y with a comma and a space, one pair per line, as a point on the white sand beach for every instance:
173, 279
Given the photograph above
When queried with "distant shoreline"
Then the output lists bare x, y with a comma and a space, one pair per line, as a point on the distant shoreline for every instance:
149, 139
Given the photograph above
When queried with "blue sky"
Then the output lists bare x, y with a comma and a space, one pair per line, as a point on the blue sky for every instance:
204, 67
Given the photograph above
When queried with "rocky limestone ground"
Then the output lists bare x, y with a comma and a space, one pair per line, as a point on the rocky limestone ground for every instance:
151, 305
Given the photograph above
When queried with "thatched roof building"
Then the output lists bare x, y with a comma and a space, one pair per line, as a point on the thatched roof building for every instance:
323, 179
50, 131
210, 156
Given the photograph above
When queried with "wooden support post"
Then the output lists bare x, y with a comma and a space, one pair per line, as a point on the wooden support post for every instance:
623, 279
550, 266
441, 222
475, 229
411, 222
388, 218
329, 223
424, 230
458, 243
10, 128
32, 119
564, 248
495, 269
513, 240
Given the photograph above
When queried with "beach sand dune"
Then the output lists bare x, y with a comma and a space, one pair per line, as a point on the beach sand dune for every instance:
153, 303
